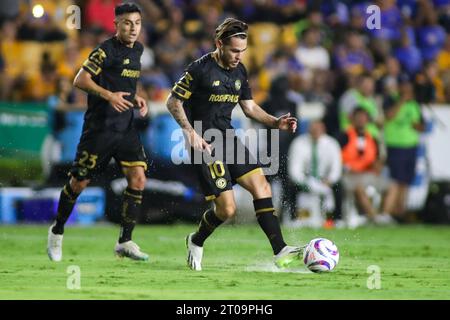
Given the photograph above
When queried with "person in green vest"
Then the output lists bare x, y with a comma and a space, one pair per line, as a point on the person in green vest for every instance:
361, 95
402, 129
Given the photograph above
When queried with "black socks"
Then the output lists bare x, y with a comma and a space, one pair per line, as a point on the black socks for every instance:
66, 203
269, 223
132, 200
207, 226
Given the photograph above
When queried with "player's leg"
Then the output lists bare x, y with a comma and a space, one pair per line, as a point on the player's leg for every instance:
93, 155
67, 199
132, 158
215, 181
256, 183
132, 201
224, 209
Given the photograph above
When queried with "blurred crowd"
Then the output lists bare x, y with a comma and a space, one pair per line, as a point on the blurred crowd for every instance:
322, 46
299, 52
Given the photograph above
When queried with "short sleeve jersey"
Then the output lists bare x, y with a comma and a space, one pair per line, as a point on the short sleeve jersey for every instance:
211, 92
115, 67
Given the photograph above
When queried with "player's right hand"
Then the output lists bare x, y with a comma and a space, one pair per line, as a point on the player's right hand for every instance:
118, 102
197, 142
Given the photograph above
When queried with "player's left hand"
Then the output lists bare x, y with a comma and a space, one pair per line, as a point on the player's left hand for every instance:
142, 105
286, 122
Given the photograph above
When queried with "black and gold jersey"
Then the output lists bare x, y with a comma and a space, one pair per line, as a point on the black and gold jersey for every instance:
115, 67
211, 92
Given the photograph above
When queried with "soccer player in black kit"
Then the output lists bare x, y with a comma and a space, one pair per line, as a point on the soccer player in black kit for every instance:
109, 76
207, 93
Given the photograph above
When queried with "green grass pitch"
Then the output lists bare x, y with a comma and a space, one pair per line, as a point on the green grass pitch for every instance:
414, 263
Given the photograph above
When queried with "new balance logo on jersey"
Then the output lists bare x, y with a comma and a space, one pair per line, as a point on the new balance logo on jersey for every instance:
216, 83
126, 61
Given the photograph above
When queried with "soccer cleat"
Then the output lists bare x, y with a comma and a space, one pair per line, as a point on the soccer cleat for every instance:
384, 219
287, 255
54, 245
195, 254
130, 250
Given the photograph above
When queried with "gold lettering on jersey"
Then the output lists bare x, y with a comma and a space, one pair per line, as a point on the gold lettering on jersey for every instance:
130, 73
95, 61
186, 79
224, 98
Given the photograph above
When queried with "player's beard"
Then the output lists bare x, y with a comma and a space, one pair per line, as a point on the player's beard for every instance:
227, 62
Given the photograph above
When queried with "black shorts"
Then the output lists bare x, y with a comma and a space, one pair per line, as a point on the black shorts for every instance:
220, 175
402, 164
96, 148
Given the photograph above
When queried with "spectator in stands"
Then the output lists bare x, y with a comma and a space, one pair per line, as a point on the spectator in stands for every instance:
171, 54
39, 86
388, 83
443, 56
241, 9
361, 95
358, 18
393, 25
408, 55
209, 18
401, 133
335, 13
290, 10
72, 61
43, 28
431, 37
391, 21
314, 19
281, 63
12, 58
353, 57
429, 87
317, 87
443, 61
362, 165
315, 167
310, 53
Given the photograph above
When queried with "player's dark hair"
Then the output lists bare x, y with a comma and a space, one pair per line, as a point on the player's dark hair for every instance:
127, 7
231, 28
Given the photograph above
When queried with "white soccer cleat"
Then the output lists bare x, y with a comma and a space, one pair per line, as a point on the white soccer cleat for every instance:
195, 254
54, 245
287, 255
384, 219
130, 250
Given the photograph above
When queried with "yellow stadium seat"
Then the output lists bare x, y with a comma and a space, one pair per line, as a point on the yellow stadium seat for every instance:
264, 38
288, 37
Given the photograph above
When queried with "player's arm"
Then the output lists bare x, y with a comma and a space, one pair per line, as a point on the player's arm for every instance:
254, 111
141, 104
175, 107
83, 80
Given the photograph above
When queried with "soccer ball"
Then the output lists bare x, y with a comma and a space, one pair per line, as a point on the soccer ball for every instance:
321, 255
